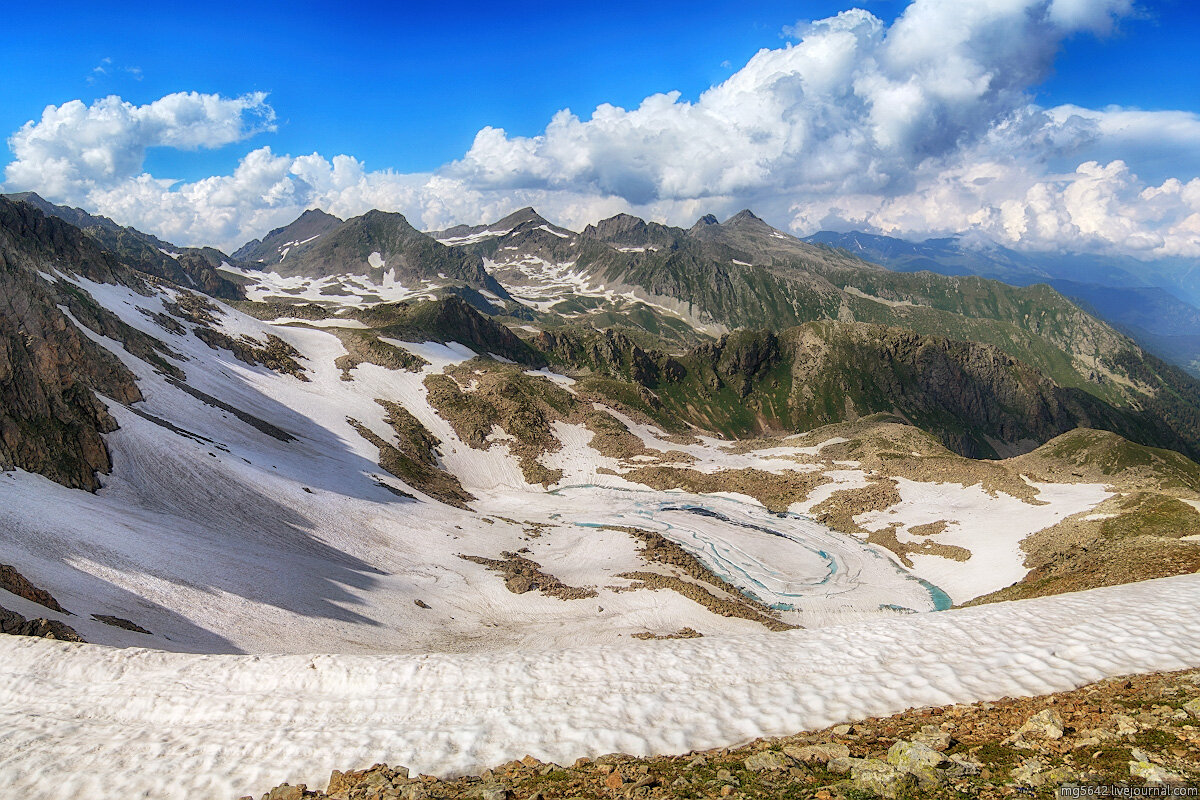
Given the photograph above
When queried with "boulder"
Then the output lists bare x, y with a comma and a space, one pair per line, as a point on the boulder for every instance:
287, 792
767, 761
933, 737
819, 753
1035, 774
1192, 707
882, 778
1152, 773
1125, 724
919, 760
1046, 725
840, 765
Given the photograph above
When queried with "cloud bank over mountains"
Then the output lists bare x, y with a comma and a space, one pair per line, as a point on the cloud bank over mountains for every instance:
924, 127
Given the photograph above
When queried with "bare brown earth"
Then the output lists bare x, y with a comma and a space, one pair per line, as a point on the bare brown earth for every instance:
1115, 732
775, 491
523, 575
480, 395
414, 461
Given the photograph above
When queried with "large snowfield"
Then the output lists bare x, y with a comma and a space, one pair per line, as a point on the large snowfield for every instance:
89, 721
247, 524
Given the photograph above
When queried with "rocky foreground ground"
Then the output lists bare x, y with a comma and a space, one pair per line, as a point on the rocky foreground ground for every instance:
1138, 732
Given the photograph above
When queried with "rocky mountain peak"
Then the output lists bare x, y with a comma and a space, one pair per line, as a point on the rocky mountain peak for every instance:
375, 217
615, 228
318, 214
304, 229
522, 216
745, 215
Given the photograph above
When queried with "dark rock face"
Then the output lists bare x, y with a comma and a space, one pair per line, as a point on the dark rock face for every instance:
16, 583
50, 419
194, 267
118, 622
293, 238
14, 624
628, 230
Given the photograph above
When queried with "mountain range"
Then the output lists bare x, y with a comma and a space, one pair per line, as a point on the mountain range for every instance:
1155, 303
428, 454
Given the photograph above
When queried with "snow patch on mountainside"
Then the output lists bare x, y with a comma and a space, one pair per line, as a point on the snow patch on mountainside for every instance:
989, 526
352, 291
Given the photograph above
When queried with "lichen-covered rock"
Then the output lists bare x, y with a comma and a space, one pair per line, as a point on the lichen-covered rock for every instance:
919, 760
840, 765
1046, 725
1152, 773
818, 753
1192, 707
882, 778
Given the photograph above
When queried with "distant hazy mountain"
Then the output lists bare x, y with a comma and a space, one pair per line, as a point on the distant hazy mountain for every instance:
1149, 301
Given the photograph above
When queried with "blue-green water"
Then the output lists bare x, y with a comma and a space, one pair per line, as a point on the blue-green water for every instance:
736, 575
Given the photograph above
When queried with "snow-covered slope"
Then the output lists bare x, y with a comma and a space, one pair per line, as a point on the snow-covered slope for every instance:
139, 723
246, 513
247, 522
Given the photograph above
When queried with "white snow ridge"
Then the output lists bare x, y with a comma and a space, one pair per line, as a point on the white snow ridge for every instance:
140, 723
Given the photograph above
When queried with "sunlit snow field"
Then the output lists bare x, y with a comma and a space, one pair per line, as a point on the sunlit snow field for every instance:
246, 552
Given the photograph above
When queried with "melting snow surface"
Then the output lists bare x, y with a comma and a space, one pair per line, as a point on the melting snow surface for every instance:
138, 723
220, 537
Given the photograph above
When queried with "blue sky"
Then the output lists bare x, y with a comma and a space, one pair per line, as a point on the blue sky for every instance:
407, 85
406, 88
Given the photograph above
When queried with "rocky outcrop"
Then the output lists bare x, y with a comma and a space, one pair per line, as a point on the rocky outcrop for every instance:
50, 418
450, 319
415, 460
625, 230
523, 575
16, 583
120, 622
186, 266
14, 624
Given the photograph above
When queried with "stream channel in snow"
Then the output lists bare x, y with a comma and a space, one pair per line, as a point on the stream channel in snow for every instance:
789, 562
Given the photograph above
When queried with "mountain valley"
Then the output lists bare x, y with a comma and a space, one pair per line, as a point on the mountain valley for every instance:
629, 450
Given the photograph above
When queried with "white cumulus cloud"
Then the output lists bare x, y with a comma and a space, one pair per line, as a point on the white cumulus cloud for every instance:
75, 148
926, 126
